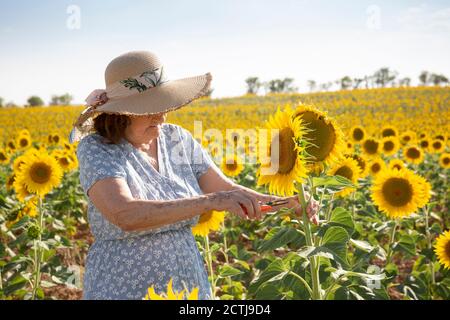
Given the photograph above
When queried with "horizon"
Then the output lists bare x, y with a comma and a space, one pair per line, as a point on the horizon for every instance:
51, 49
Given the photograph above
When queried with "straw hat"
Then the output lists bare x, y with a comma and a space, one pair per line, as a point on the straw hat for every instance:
136, 84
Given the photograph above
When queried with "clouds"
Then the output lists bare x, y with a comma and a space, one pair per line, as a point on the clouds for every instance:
423, 18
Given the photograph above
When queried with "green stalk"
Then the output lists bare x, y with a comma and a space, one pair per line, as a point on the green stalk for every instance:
38, 252
210, 266
430, 247
313, 262
391, 242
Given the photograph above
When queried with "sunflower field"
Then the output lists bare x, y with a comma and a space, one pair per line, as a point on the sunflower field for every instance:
377, 161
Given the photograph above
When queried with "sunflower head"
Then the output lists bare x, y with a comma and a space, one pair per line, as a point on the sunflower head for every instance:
23, 141
171, 294
398, 193
371, 147
208, 221
376, 166
424, 144
396, 164
444, 160
325, 142
232, 166
362, 164
347, 168
413, 154
390, 145
408, 137
285, 163
357, 134
437, 146
389, 131
40, 174
442, 249
4, 157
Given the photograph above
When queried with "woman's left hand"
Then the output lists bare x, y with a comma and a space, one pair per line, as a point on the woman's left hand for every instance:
312, 209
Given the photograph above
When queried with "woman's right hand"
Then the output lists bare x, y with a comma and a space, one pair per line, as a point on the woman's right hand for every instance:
238, 202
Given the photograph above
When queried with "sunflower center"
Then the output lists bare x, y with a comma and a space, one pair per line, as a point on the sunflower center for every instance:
376, 167
388, 146
40, 172
64, 162
358, 134
23, 142
371, 146
388, 132
437, 145
447, 249
406, 138
397, 192
2, 156
424, 144
287, 152
446, 161
322, 135
413, 153
397, 166
345, 172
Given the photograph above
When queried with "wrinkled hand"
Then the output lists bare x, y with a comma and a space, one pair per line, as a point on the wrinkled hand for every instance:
312, 209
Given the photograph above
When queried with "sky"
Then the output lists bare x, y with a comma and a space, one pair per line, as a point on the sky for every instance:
53, 47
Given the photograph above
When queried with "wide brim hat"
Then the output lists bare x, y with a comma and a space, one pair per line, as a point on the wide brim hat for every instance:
137, 84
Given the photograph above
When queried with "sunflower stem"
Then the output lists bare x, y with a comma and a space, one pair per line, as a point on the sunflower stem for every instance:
391, 242
430, 247
210, 266
225, 248
38, 252
313, 262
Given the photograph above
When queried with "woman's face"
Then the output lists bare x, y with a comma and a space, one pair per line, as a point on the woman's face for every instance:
145, 128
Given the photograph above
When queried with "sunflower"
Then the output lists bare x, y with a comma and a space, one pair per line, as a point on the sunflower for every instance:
30, 208
396, 164
370, 147
442, 249
390, 145
362, 164
376, 166
171, 294
65, 159
208, 221
10, 182
24, 132
408, 137
347, 168
232, 166
357, 134
21, 190
389, 131
425, 144
11, 145
413, 154
40, 174
398, 193
4, 158
23, 141
437, 146
440, 137
325, 139
444, 160
287, 161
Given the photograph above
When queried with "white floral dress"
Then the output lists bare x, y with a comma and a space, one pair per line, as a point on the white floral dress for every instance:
122, 265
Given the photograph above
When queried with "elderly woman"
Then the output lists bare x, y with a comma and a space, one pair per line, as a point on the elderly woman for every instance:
147, 182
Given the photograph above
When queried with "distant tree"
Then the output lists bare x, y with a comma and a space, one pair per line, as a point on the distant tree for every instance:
63, 100
325, 86
1, 102
424, 78
312, 85
280, 85
404, 82
438, 79
11, 104
345, 82
34, 101
384, 76
253, 85
357, 82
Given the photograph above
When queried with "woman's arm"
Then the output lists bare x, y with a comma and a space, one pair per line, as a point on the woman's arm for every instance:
213, 180
113, 198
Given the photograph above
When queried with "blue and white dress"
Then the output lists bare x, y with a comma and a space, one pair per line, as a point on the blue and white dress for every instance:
122, 265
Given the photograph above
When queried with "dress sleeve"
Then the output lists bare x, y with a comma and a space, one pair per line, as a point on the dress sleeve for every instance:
98, 161
200, 160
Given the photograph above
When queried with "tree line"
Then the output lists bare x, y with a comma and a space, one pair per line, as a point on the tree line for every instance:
34, 101
382, 78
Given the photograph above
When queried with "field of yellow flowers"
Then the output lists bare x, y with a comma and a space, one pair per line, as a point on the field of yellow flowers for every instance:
377, 160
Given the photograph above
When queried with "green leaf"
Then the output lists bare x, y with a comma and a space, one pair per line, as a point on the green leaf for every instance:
228, 271
281, 238
407, 244
335, 239
342, 218
363, 245
332, 181
274, 269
